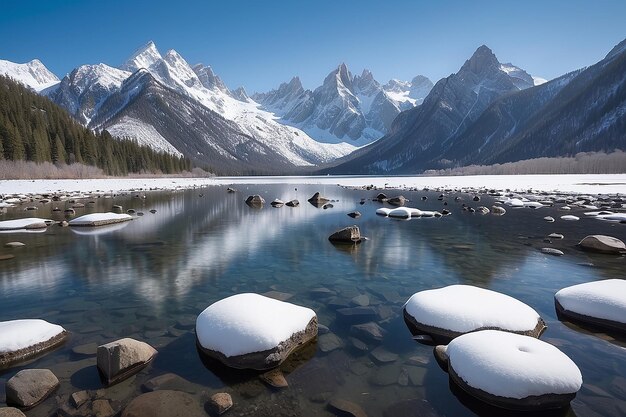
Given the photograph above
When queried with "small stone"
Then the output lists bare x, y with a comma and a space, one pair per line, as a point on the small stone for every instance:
14, 244
274, 378
347, 407
549, 219
30, 386
221, 402
329, 342
385, 375
164, 403
397, 201
416, 375
125, 357
354, 214
361, 300
555, 236
102, 408
552, 251
359, 345
79, 398
165, 381
321, 329
369, 330
383, 356
292, 203
357, 314
88, 349
277, 295
11, 412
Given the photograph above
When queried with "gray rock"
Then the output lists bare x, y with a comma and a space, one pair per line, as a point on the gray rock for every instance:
549, 219
117, 209
292, 203
329, 342
552, 251
357, 314
498, 210
221, 402
30, 386
350, 234
382, 355
11, 412
164, 403
120, 359
274, 378
255, 201
482, 210
165, 381
555, 236
354, 214
277, 203
102, 408
397, 201
385, 375
277, 295
361, 300
371, 331
602, 244
347, 407
87, 349
317, 200
381, 197
79, 398
358, 344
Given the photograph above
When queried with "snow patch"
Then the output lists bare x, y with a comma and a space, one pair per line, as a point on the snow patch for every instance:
21, 334
600, 299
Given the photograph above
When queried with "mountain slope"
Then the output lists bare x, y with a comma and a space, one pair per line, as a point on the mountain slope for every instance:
420, 135
355, 109
33, 74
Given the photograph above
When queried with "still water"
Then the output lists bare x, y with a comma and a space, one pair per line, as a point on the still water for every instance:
149, 278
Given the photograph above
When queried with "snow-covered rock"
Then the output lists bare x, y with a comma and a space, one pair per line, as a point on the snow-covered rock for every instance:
600, 303
445, 313
383, 211
100, 219
405, 212
23, 339
612, 217
513, 371
514, 202
253, 331
27, 223
33, 74
570, 218
603, 244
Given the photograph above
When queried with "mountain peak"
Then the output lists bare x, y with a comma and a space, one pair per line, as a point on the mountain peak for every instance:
618, 49
144, 57
483, 59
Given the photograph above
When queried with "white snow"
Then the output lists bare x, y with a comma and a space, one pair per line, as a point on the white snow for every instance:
514, 202
511, 365
143, 133
570, 218
465, 308
600, 299
614, 217
247, 323
32, 74
20, 334
383, 211
22, 223
89, 219
405, 212
588, 184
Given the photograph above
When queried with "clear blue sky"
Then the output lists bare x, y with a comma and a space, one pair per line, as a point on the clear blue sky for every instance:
260, 43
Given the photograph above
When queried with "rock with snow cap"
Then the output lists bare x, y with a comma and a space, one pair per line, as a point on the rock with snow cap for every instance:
100, 219
602, 244
24, 339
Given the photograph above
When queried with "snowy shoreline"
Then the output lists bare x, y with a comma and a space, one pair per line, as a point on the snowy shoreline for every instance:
583, 184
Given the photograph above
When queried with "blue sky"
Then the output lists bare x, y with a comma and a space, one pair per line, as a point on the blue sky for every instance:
259, 44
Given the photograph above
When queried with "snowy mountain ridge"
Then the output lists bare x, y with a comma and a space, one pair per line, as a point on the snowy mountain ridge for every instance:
33, 74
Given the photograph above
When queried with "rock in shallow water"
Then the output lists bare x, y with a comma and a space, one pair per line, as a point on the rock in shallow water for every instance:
603, 244
30, 386
11, 412
120, 359
23, 339
221, 402
164, 403
350, 234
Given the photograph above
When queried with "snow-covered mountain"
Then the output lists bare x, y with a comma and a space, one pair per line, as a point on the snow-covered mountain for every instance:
345, 107
32, 74
423, 135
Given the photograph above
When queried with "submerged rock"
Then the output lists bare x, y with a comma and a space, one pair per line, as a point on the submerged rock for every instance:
221, 402
30, 386
397, 201
164, 403
347, 407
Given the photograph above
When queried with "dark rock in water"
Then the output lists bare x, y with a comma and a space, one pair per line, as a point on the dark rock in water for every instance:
350, 234
327, 206
292, 203
255, 201
153, 211
358, 344
445, 212
347, 407
498, 210
164, 403
230, 190
381, 197
602, 244
552, 251
357, 314
88, 349
221, 402
369, 330
277, 203
69, 212
125, 357
329, 342
56, 209
30, 386
424, 198
416, 407
131, 211
79, 398
139, 213
317, 200
476, 198
354, 214
397, 201
117, 209
274, 378
382, 355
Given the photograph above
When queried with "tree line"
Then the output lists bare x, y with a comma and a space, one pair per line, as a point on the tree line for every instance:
33, 128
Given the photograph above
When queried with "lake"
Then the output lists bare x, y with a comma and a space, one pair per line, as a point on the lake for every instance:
148, 279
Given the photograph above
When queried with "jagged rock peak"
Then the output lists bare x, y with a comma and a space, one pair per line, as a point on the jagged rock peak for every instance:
618, 49
240, 94
144, 57
483, 59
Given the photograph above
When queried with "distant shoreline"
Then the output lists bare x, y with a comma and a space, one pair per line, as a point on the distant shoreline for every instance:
569, 183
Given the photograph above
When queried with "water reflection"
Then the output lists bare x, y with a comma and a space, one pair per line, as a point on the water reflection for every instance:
151, 277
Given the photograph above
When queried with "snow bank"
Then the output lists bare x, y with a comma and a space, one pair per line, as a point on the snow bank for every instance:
604, 300
383, 211
27, 223
458, 309
405, 212
21, 334
511, 365
100, 219
247, 323
614, 217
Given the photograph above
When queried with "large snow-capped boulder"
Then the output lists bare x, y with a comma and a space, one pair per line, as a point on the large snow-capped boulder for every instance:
100, 219
445, 313
253, 331
24, 339
29, 387
27, 223
122, 358
599, 303
512, 371
602, 244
